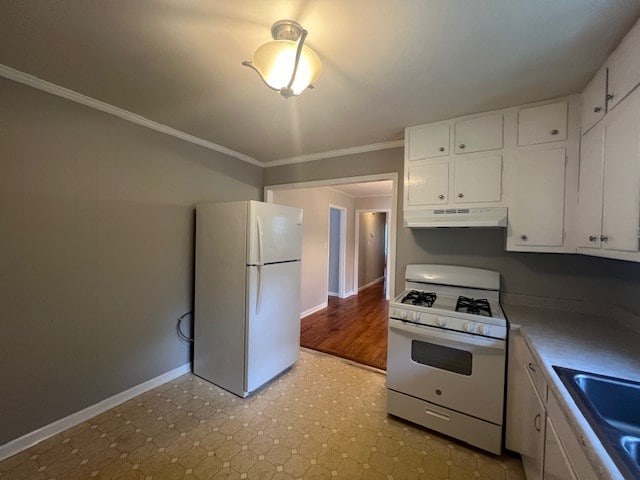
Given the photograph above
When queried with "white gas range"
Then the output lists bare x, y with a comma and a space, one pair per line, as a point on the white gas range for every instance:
447, 353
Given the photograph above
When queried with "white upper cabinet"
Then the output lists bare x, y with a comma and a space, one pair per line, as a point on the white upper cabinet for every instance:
428, 184
477, 180
428, 141
621, 182
537, 217
624, 68
479, 134
594, 100
590, 188
546, 123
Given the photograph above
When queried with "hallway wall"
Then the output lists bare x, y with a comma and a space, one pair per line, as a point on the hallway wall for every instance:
334, 251
371, 242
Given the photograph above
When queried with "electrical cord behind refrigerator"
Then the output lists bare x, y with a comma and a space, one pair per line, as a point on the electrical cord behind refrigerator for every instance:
179, 328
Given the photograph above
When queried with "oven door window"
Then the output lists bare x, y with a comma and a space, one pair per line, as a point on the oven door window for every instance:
441, 357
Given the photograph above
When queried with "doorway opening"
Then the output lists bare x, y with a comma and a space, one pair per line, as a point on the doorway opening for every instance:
347, 275
337, 251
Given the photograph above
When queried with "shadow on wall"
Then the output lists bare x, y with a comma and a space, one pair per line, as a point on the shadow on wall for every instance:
556, 275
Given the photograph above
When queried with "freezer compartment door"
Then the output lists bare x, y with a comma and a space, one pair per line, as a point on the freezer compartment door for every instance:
273, 328
275, 233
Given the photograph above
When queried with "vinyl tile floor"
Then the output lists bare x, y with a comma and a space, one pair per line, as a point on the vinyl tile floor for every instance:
323, 419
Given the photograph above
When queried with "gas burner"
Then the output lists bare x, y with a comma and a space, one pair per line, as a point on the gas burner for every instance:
422, 299
475, 306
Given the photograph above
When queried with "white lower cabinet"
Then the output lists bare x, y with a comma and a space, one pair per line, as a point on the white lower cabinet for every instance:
535, 426
556, 463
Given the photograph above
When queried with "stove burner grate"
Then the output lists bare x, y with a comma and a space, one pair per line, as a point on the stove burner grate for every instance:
422, 299
475, 306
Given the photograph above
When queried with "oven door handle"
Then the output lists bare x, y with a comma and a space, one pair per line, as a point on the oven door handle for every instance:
431, 334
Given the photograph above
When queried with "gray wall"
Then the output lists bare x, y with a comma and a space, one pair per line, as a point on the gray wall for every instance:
371, 258
556, 275
96, 248
334, 251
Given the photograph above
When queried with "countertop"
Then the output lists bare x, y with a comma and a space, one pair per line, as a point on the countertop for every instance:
579, 341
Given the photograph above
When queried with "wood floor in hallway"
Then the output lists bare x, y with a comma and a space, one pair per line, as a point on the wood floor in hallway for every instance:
354, 328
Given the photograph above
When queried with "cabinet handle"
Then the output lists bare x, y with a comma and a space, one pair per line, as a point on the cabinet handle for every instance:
460, 195
592, 238
610, 96
462, 145
554, 132
524, 237
536, 422
531, 367
441, 149
441, 197
603, 238
597, 109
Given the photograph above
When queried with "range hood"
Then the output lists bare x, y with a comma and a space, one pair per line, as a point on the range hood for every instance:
456, 217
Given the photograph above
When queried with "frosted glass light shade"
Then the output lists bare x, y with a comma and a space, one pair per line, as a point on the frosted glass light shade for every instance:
275, 60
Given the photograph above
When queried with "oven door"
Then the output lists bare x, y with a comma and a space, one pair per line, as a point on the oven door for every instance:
456, 370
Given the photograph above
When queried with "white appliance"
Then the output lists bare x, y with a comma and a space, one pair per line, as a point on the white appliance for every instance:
447, 353
456, 217
247, 293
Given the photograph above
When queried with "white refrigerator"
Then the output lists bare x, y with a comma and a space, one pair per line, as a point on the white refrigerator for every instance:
247, 293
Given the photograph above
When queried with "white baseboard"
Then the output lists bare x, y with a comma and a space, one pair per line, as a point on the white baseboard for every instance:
348, 294
306, 313
334, 294
30, 439
371, 283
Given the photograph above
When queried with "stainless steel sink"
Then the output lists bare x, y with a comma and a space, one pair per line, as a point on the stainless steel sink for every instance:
612, 408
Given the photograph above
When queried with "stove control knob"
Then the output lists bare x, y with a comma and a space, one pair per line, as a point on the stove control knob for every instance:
441, 322
484, 329
416, 316
404, 314
469, 326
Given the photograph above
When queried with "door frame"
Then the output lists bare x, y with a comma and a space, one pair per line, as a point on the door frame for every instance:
356, 251
393, 218
343, 248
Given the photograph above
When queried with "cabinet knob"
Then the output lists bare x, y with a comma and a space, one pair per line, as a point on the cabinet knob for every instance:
523, 237
462, 145
554, 132
597, 109
441, 197
592, 238
460, 195
610, 96
441, 149
603, 238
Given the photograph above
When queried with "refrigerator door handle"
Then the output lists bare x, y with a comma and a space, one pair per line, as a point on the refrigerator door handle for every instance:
260, 241
259, 293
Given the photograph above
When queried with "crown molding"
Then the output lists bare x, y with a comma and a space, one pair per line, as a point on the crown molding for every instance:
38, 83
335, 153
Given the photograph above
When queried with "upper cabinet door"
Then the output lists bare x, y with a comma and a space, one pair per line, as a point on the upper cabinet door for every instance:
621, 184
624, 68
479, 134
590, 188
428, 141
428, 184
477, 179
594, 100
546, 123
539, 198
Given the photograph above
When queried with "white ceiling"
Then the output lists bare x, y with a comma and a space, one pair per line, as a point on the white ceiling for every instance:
366, 189
387, 63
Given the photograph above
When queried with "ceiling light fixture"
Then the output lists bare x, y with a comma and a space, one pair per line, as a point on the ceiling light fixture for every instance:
286, 64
